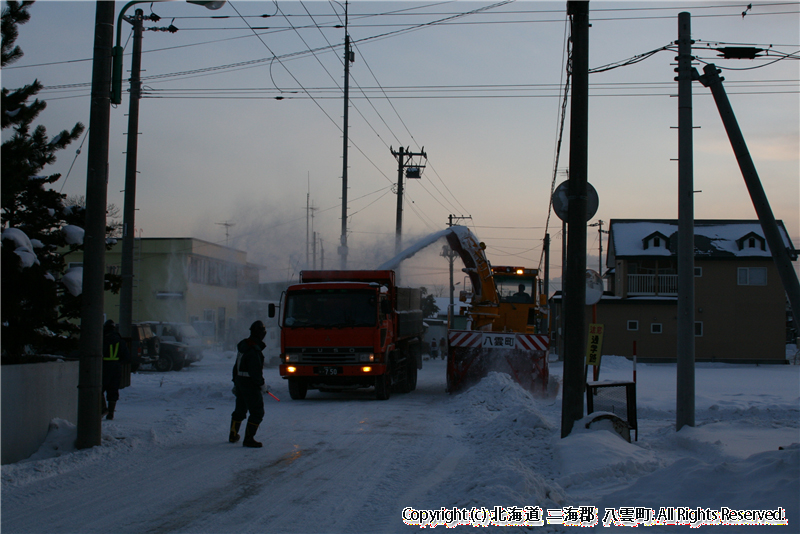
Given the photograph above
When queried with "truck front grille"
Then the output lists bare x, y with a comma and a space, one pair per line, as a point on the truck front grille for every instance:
329, 358
329, 355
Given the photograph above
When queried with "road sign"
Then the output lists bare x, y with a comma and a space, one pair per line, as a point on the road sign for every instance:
561, 201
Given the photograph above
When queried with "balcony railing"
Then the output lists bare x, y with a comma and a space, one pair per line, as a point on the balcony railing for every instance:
651, 284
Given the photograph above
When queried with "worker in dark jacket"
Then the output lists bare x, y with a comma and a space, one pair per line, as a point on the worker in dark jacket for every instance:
115, 353
248, 380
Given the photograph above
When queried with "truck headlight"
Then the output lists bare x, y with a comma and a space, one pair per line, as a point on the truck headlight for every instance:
366, 357
292, 358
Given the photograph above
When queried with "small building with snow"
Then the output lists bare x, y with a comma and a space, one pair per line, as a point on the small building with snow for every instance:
183, 280
740, 302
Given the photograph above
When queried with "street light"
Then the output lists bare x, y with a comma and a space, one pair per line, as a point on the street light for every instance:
129, 206
116, 81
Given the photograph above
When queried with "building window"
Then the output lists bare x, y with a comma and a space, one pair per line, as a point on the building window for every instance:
698, 272
656, 241
633, 325
698, 329
655, 328
752, 276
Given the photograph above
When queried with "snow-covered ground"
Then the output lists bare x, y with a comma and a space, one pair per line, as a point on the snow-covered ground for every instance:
348, 463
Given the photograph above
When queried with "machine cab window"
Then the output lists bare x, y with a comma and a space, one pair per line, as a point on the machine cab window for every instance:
515, 284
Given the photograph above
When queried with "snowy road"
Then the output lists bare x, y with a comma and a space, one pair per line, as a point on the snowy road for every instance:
346, 463
331, 463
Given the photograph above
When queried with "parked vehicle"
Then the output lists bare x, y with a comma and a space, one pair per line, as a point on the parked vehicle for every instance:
350, 329
145, 346
181, 345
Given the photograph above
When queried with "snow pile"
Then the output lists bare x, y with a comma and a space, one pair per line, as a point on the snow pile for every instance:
513, 440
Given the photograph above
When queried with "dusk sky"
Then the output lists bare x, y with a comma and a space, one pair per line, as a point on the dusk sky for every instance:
479, 85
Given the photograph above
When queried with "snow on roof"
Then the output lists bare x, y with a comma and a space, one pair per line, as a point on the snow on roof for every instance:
713, 238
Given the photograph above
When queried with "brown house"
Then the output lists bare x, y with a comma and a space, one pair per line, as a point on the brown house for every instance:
740, 303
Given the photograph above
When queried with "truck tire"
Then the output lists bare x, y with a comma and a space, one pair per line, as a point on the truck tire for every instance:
411, 377
297, 389
383, 386
163, 364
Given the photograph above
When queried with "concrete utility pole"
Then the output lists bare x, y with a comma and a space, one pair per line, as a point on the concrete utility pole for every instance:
91, 342
404, 158
781, 254
129, 203
685, 402
575, 284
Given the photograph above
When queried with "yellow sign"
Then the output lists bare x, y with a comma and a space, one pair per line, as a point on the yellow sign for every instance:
595, 344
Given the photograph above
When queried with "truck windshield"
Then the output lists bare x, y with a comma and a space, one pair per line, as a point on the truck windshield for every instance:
330, 308
514, 288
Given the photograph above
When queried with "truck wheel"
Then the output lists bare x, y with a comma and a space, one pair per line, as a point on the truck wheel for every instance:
163, 364
297, 389
383, 386
411, 377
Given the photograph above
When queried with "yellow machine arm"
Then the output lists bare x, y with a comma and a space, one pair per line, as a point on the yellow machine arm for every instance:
485, 300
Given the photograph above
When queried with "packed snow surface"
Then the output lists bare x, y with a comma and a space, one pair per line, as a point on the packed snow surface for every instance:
346, 463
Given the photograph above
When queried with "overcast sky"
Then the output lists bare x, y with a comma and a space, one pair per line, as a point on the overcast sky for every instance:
479, 85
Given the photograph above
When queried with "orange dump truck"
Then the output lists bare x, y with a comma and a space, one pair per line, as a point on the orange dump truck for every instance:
350, 329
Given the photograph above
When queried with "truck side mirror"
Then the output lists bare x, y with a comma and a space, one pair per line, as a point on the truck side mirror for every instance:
386, 308
271, 309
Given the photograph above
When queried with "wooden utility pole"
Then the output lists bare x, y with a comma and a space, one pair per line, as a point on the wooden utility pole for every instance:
575, 284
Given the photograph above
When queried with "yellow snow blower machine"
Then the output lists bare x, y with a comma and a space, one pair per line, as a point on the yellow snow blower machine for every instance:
506, 322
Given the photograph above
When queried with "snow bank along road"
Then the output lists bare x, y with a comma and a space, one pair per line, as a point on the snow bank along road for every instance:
347, 463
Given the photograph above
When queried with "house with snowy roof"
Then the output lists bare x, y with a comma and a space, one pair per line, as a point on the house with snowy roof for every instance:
740, 302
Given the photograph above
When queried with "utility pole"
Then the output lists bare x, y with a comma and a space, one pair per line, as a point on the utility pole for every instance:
90, 369
563, 316
781, 254
129, 204
600, 233
685, 379
404, 166
227, 225
575, 302
546, 288
309, 224
314, 249
348, 58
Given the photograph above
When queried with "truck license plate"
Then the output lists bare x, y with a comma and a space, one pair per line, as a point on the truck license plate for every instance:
328, 371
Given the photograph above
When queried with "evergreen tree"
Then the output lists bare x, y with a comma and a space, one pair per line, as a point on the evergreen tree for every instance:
36, 302
429, 307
